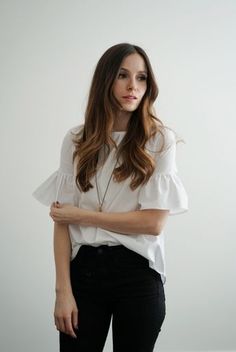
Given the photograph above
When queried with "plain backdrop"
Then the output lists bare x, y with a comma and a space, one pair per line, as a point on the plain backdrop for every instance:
49, 50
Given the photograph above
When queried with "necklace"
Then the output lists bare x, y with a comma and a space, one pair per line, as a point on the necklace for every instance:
98, 195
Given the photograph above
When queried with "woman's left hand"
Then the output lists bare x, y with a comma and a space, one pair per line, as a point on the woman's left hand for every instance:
65, 213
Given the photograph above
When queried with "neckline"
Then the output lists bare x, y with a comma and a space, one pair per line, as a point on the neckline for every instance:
119, 132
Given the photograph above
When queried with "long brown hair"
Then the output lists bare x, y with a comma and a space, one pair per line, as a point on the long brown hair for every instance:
100, 115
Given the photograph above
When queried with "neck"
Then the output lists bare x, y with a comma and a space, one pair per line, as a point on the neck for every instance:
121, 121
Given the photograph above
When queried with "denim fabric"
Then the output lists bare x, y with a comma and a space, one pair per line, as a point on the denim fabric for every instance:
115, 283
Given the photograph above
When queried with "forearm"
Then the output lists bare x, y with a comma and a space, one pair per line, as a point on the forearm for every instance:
132, 222
62, 253
145, 221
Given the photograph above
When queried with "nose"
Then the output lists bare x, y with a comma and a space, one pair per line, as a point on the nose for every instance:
131, 85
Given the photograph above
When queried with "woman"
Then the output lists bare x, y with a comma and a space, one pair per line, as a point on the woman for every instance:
110, 199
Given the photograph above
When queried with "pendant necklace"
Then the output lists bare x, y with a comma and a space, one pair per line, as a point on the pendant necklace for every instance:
98, 195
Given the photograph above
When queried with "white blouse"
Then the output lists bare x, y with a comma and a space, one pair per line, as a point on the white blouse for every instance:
164, 190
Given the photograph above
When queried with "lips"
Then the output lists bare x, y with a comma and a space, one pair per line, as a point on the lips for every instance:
130, 97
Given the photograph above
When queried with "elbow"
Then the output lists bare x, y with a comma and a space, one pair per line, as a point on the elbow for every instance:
158, 222
155, 221
155, 229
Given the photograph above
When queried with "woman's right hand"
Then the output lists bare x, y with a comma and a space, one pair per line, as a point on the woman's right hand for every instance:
66, 313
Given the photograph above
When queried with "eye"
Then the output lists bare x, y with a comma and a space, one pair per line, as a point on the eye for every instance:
142, 78
122, 75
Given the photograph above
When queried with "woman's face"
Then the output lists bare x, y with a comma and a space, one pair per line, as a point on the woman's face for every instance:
130, 84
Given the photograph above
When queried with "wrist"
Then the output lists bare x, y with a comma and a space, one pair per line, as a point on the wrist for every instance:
88, 218
60, 291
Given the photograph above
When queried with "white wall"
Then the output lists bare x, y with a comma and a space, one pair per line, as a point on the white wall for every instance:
48, 53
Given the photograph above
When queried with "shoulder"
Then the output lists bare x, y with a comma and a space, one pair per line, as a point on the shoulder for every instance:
72, 133
75, 130
68, 146
162, 140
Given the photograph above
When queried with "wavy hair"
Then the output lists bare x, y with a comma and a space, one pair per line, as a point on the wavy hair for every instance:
100, 116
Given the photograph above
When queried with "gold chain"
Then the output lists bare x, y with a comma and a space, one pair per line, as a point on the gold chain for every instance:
98, 195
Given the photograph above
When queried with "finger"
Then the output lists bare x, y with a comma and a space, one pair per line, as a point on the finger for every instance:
51, 215
57, 323
53, 205
52, 210
69, 327
54, 213
75, 319
62, 327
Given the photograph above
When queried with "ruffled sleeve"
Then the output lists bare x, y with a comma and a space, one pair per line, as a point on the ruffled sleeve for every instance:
164, 189
60, 185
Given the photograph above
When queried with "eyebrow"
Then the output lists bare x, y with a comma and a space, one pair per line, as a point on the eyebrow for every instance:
125, 69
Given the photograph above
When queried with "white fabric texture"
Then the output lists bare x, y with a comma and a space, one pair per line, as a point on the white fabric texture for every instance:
164, 190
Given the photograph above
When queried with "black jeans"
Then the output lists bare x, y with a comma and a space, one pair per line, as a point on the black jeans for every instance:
115, 282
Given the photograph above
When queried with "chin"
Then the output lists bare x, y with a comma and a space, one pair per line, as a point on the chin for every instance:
129, 109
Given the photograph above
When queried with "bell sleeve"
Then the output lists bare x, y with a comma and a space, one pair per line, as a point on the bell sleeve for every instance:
164, 189
60, 185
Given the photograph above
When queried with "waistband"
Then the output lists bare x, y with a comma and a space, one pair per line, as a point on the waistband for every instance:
110, 255
102, 248
118, 251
